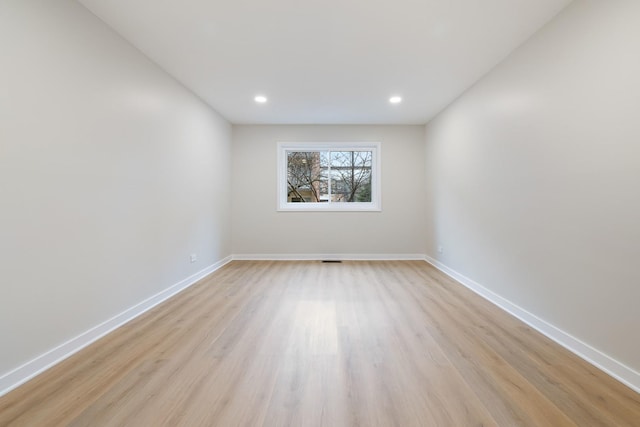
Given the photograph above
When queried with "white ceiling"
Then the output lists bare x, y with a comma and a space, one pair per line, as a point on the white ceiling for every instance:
327, 61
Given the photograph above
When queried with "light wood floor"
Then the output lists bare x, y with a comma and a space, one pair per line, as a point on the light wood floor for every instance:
313, 344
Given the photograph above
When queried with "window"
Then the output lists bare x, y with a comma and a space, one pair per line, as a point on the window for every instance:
329, 176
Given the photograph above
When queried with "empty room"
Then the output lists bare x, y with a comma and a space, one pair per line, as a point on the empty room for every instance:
319, 213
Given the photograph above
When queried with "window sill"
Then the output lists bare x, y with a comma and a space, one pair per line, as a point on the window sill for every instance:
334, 207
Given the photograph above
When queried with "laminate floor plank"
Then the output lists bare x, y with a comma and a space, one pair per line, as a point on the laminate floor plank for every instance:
560, 373
470, 354
305, 343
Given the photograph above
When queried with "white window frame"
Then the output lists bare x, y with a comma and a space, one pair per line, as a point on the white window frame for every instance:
374, 205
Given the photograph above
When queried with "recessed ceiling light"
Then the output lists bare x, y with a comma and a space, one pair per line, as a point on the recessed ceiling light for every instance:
260, 99
395, 100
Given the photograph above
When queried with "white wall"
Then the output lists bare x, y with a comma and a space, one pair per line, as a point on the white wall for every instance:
534, 178
259, 229
111, 174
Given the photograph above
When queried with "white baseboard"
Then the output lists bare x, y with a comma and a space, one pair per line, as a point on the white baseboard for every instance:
336, 257
606, 363
27, 371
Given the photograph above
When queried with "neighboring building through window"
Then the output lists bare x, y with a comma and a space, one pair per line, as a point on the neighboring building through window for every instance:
329, 176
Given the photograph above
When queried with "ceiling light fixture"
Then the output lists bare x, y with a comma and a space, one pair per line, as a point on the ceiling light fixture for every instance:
260, 99
395, 100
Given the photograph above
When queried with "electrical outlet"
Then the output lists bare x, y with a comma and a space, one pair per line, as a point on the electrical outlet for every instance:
440, 249
193, 258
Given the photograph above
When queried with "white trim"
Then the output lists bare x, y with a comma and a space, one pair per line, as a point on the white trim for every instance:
27, 371
333, 257
376, 177
597, 358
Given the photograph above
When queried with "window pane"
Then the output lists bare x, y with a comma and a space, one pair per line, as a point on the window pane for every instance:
363, 194
304, 176
351, 176
337, 187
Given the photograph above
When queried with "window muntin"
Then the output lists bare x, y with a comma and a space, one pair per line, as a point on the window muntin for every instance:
337, 176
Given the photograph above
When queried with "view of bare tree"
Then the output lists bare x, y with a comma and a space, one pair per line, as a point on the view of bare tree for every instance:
351, 174
331, 176
304, 175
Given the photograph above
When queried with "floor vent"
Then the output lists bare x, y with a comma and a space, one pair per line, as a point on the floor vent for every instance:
337, 261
